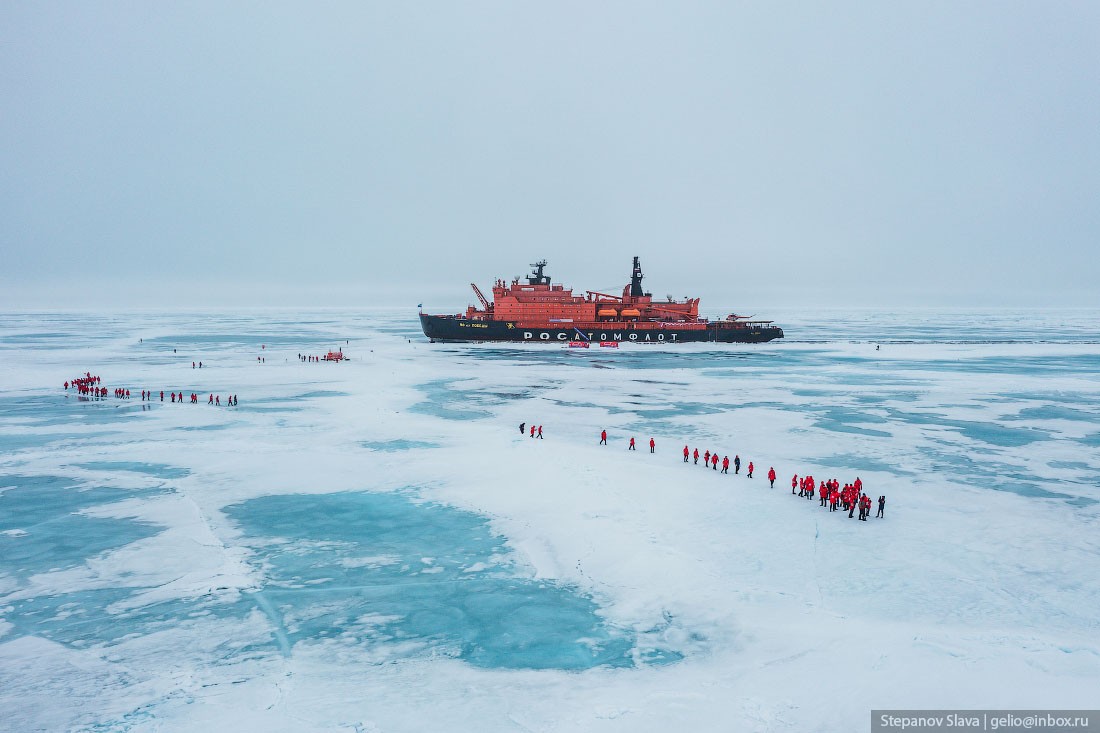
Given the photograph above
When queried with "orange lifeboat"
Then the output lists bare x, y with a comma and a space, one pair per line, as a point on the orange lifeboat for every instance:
631, 313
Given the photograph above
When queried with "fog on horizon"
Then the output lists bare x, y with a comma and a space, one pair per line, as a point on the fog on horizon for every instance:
364, 154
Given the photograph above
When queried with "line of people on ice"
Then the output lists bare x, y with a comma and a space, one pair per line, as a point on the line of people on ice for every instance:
86, 387
534, 433
830, 494
631, 445
174, 397
710, 460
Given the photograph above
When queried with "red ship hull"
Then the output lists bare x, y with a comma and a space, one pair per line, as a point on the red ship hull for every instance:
456, 328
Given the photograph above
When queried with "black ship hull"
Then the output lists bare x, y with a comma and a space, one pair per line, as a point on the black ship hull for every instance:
454, 328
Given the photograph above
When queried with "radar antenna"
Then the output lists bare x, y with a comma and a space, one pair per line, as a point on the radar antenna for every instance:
537, 278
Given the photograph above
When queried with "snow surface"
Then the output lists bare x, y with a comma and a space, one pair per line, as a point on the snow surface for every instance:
373, 546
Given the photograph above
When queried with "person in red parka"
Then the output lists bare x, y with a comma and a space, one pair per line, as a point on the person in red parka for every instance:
631, 446
795, 485
771, 476
750, 469
696, 454
603, 437
714, 460
706, 459
725, 464
652, 445
686, 453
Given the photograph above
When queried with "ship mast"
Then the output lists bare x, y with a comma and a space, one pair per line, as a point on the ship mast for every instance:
636, 280
537, 278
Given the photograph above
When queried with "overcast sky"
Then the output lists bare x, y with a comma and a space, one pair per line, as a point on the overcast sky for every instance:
754, 154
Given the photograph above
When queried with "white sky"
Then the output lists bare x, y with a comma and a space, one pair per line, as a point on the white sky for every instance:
753, 154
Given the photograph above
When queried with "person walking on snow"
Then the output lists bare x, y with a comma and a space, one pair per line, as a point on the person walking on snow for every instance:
532, 431
794, 485
603, 436
714, 461
725, 464
522, 428
686, 452
696, 454
736, 464
631, 447
706, 459
771, 476
540, 432
881, 507
750, 469
652, 445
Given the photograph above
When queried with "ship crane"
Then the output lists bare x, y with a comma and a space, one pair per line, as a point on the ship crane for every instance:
481, 297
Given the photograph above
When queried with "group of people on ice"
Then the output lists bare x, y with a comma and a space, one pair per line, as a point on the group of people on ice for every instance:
831, 495
87, 386
535, 433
